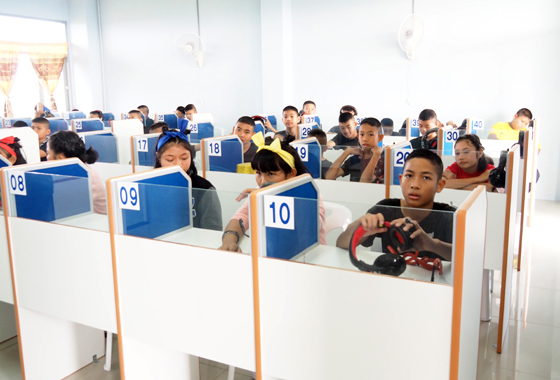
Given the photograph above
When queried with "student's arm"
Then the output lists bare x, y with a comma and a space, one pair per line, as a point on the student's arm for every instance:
268, 126
423, 242
331, 144
370, 222
368, 175
42, 153
230, 241
453, 183
336, 170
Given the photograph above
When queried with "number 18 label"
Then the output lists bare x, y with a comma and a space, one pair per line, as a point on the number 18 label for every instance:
128, 196
279, 212
215, 148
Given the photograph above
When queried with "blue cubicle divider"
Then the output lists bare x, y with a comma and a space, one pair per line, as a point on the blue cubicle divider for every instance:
450, 136
4, 162
163, 209
414, 127
170, 119
272, 120
52, 192
108, 116
104, 143
198, 132
87, 125
73, 115
224, 154
7, 122
310, 153
288, 243
259, 127
146, 148
400, 154
57, 124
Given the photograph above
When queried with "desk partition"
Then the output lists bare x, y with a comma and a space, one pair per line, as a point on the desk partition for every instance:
475, 126
198, 130
170, 119
105, 143
412, 128
7, 122
87, 125
73, 115
309, 151
28, 140
310, 119
143, 148
221, 154
63, 292
57, 124
303, 130
124, 130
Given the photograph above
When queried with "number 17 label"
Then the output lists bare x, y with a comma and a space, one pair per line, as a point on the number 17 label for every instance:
279, 212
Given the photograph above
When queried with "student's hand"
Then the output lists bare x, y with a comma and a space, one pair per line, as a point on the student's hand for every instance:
376, 150
244, 194
371, 224
230, 247
422, 241
269, 126
355, 150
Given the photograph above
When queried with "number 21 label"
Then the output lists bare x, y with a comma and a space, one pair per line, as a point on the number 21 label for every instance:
279, 212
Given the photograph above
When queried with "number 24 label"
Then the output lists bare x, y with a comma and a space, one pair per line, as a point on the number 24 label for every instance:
279, 212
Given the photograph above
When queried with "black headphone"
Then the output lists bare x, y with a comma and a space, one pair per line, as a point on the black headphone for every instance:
388, 263
521, 142
497, 176
429, 144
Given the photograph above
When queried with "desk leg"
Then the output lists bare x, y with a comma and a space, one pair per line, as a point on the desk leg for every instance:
491, 281
231, 372
486, 307
108, 351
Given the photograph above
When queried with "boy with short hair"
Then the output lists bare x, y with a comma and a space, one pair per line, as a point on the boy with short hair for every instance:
365, 163
245, 129
348, 134
42, 127
190, 110
388, 127
426, 121
420, 181
347, 108
309, 107
510, 130
157, 127
321, 136
291, 119
146, 111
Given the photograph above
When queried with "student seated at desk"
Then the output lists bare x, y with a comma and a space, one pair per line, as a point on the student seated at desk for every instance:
190, 110
471, 167
275, 161
510, 130
42, 127
350, 109
146, 111
426, 121
96, 114
291, 119
42, 111
388, 127
11, 149
321, 136
157, 127
180, 112
67, 144
365, 163
420, 181
245, 129
173, 148
348, 134
309, 107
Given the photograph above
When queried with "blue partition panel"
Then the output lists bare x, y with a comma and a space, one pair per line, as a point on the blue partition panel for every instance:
399, 156
311, 157
105, 144
58, 125
88, 125
476, 126
7, 122
108, 116
449, 138
259, 128
148, 158
308, 119
66, 192
285, 244
272, 120
230, 155
163, 209
304, 129
198, 131
73, 115
171, 120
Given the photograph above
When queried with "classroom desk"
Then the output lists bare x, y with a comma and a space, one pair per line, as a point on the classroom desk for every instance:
201, 237
339, 258
90, 221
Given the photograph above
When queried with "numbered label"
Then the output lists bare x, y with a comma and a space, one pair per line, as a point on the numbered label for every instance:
451, 136
215, 148
279, 212
303, 151
129, 198
78, 124
125, 116
142, 144
17, 183
304, 131
7, 123
66, 115
400, 157
309, 119
83, 138
359, 119
477, 124
160, 118
414, 122
193, 127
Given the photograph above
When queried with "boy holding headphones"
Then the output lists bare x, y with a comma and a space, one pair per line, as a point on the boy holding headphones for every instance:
426, 121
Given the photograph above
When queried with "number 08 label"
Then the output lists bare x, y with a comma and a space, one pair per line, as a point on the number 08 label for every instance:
279, 212
17, 183
129, 197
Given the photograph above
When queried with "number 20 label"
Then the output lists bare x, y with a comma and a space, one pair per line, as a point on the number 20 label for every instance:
279, 212
400, 157
17, 183
303, 152
129, 197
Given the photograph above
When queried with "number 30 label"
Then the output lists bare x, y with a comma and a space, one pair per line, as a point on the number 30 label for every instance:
128, 196
451, 136
279, 212
17, 183
400, 157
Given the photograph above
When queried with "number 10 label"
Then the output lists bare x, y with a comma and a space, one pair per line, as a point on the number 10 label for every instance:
279, 212
128, 196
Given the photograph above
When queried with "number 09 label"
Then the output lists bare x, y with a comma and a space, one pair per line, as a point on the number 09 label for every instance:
279, 212
129, 197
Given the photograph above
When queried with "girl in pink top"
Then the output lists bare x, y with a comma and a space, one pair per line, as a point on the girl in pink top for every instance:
275, 161
67, 144
471, 167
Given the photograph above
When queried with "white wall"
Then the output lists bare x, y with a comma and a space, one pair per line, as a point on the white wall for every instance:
142, 67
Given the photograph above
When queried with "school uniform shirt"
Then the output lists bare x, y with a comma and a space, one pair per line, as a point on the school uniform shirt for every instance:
98, 193
416, 143
250, 153
335, 129
461, 174
343, 142
207, 211
325, 166
43, 147
283, 133
355, 166
504, 131
438, 225
242, 215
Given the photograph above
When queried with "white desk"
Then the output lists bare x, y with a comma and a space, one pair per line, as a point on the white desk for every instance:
200, 237
339, 258
90, 221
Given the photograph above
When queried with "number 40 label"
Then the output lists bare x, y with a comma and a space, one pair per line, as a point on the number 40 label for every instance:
128, 196
279, 212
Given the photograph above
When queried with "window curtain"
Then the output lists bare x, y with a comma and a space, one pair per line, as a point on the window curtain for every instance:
9, 57
47, 61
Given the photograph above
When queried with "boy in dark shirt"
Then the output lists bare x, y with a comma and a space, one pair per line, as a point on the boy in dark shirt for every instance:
42, 127
245, 129
291, 119
426, 121
348, 135
420, 181
321, 136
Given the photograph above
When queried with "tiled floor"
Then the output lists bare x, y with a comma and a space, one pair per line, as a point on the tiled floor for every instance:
533, 345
